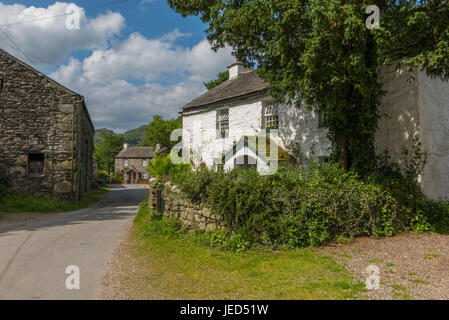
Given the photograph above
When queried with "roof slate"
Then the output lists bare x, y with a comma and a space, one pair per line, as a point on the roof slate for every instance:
136, 152
247, 83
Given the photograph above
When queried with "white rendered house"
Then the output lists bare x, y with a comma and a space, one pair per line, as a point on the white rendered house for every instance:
222, 128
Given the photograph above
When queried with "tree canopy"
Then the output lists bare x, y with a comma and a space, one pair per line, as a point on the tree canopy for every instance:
320, 53
159, 131
107, 149
222, 77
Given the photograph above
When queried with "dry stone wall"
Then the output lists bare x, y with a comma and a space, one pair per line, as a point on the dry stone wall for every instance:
176, 205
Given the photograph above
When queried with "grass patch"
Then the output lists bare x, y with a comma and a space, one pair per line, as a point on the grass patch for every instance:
375, 260
17, 203
189, 270
431, 256
400, 292
420, 281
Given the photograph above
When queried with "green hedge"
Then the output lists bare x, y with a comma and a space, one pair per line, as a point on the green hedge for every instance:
300, 208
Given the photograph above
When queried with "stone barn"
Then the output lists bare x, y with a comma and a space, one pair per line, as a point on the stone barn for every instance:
46, 134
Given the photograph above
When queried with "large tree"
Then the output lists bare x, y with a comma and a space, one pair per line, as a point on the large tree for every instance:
159, 131
107, 149
320, 53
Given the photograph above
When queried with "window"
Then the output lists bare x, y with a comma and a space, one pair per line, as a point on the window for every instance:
144, 163
270, 119
126, 163
1, 85
322, 122
223, 121
36, 164
144, 176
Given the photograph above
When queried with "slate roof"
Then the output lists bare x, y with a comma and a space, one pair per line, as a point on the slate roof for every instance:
247, 83
136, 152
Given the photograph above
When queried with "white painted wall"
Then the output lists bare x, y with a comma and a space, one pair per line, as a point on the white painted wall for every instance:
245, 119
417, 104
434, 131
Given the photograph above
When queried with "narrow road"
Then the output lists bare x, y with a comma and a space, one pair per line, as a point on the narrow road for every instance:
34, 255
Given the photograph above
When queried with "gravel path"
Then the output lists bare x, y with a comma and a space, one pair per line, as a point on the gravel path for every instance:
412, 266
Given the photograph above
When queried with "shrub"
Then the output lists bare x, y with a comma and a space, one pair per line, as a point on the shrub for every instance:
163, 168
195, 184
300, 208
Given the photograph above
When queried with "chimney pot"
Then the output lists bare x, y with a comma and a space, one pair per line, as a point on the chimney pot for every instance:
235, 70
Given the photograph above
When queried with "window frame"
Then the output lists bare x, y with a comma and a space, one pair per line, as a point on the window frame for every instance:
270, 115
222, 122
29, 161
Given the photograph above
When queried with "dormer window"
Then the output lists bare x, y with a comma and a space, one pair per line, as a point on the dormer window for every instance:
270, 119
223, 121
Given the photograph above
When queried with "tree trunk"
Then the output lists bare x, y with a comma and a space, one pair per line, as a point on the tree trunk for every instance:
344, 155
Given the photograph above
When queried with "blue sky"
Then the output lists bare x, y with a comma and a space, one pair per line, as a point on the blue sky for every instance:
130, 60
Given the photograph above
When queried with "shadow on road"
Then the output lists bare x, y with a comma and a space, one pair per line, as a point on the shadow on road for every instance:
120, 202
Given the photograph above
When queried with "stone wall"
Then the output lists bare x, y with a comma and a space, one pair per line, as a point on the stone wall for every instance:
40, 116
177, 206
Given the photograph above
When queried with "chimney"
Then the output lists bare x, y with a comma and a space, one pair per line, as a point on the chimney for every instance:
125, 146
235, 70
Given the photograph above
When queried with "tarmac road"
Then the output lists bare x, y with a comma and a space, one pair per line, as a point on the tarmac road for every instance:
34, 255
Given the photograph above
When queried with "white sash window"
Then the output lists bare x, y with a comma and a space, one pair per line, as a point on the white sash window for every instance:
223, 120
270, 117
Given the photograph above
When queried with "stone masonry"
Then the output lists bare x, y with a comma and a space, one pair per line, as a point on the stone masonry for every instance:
46, 134
177, 206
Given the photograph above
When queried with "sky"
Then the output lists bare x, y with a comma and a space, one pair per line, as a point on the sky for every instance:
130, 60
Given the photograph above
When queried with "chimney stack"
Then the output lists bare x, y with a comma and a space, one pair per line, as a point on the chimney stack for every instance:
125, 146
235, 70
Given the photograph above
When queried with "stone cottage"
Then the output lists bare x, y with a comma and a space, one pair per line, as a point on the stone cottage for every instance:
215, 122
46, 134
132, 164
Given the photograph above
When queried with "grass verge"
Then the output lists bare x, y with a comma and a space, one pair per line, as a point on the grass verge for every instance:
178, 268
18, 203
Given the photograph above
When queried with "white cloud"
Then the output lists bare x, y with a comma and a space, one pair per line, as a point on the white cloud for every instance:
122, 104
125, 82
49, 37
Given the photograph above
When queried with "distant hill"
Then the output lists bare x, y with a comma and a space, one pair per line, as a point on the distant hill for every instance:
98, 132
133, 136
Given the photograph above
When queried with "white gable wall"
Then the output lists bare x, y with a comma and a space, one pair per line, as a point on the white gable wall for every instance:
434, 131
